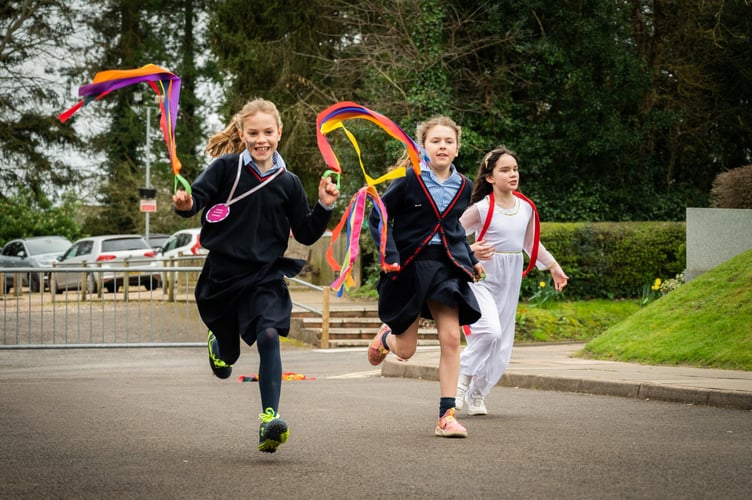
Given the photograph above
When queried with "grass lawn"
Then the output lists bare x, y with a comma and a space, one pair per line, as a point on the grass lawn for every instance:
706, 323
562, 321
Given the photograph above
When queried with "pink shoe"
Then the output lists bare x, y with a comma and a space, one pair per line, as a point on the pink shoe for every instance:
376, 351
449, 427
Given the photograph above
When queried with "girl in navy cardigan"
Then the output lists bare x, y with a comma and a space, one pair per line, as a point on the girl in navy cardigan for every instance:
427, 241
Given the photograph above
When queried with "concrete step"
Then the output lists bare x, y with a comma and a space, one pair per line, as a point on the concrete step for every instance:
367, 333
348, 328
351, 322
350, 312
339, 343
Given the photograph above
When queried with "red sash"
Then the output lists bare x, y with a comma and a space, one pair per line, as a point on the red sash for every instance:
536, 225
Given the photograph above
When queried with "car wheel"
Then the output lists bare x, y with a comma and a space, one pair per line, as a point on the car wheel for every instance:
110, 287
151, 283
34, 284
55, 286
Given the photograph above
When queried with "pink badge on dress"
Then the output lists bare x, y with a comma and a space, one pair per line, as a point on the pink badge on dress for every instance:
218, 212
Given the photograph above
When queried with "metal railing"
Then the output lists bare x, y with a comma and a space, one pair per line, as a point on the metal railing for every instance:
133, 315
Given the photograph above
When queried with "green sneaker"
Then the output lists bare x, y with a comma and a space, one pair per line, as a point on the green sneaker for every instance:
272, 431
219, 367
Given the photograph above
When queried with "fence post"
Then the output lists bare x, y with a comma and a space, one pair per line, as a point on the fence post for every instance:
17, 284
53, 282
325, 320
126, 280
100, 281
84, 283
172, 277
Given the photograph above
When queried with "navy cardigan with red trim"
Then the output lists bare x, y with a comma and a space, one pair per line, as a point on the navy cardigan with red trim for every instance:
414, 218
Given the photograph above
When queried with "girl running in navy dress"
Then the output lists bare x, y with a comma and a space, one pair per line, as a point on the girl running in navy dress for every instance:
251, 203
427, 240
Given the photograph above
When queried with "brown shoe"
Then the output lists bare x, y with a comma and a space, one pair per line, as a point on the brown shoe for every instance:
376, 351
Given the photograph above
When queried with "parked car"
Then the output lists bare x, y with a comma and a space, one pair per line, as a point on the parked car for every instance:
103, 252
185, 242
156, 241
38, 251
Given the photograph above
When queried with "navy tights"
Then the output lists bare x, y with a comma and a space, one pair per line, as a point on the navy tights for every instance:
270, 368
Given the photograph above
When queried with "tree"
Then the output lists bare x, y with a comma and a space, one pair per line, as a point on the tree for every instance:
696, 112
130, 34
284, 52
619, 110
572, 109
30, 135
24, 215
413, 60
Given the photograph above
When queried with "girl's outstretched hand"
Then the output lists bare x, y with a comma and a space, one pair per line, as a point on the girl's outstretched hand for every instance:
182, 200
328, 191
560, 279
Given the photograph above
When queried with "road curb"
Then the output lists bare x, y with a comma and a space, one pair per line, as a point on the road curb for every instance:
393, 367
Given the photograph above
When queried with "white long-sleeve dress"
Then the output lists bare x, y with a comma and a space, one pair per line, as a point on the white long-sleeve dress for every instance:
490, 339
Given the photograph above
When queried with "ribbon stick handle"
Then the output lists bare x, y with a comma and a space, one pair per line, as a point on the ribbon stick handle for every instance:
179, 179
334, 173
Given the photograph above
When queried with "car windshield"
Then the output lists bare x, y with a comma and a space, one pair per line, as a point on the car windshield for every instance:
48, 245
122, 244
158, 241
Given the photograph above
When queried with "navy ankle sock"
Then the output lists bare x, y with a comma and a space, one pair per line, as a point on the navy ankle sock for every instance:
444, 405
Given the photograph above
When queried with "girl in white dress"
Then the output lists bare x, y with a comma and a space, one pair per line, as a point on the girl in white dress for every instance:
501, 235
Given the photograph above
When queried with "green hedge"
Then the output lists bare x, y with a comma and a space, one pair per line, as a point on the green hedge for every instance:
612, 259
604, 260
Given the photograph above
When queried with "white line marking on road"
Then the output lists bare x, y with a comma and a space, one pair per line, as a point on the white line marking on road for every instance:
366, 374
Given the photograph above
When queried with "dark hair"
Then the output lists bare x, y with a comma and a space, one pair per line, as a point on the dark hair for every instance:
480, 187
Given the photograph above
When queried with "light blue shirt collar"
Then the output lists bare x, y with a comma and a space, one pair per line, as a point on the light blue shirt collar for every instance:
442, 192
277, 161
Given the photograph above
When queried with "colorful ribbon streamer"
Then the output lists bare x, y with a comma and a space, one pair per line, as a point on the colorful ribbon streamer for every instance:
165, 83
285, 376
332, 118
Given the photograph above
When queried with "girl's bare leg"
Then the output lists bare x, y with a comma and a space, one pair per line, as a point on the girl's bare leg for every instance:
404, 345
448, 327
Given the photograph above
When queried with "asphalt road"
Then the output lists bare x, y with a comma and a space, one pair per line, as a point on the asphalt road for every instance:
154, 423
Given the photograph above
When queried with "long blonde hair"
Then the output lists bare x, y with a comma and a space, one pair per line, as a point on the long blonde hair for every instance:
228, 140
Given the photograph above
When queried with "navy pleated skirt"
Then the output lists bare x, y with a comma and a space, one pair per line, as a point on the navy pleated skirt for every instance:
403, 297
235, 299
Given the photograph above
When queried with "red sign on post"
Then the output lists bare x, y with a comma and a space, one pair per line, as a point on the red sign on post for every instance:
148, 205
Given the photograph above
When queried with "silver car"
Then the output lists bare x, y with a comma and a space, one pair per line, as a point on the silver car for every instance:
37, 251
105, 252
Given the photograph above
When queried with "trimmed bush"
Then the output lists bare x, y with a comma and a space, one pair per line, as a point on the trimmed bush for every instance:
612, 260
604, 260
732, 189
